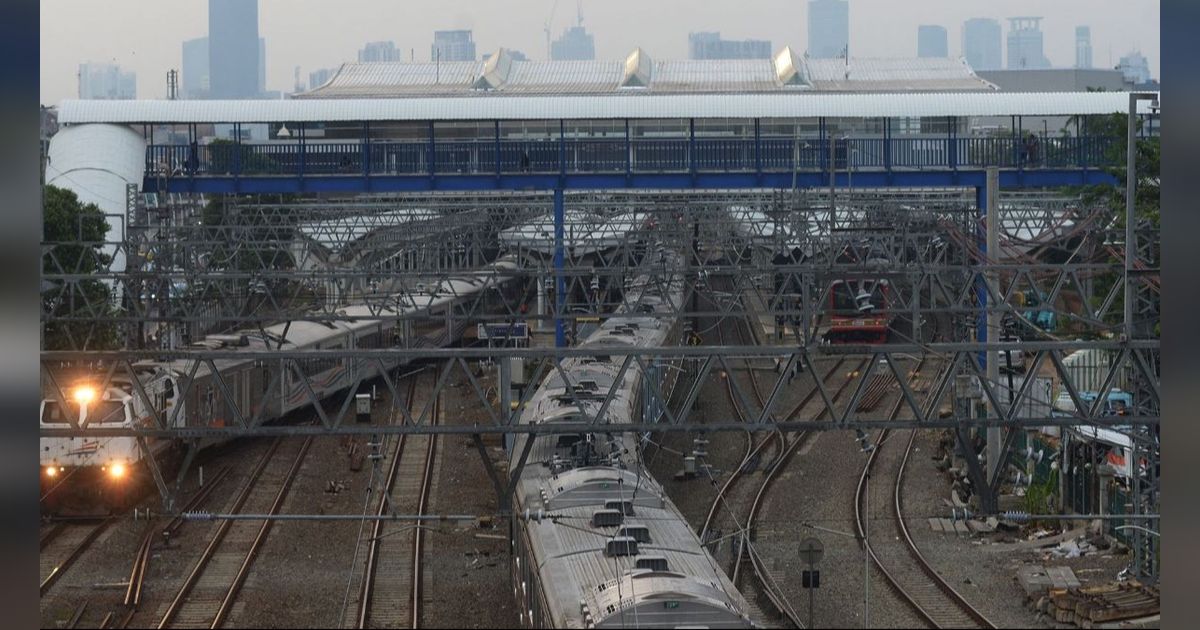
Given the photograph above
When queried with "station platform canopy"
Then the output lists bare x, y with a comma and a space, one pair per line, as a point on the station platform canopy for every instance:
601, 107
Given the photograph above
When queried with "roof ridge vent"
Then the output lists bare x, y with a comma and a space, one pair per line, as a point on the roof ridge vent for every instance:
495, 71
639, 69
607, 518
621, 546
790, 69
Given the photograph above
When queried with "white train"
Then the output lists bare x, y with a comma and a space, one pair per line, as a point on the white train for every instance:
259, 390
596, 541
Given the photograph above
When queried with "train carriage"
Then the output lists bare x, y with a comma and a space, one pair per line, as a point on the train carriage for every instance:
213, 395
596, 542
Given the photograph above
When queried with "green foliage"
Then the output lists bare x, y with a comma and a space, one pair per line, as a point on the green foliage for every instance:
1146, 199
1040, 497
75, 234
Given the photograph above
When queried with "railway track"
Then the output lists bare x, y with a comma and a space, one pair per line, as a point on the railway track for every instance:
915, 581
208, 593
141, 558
390, 592
62, 545
775, 449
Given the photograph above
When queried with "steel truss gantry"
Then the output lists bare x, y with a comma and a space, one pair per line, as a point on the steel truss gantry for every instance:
246, 265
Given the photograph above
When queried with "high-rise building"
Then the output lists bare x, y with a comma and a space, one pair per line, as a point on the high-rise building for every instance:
1083, 47
981, 43
513, 54
233, 50
828, 28
1025, 51
452, 46
576, 44
106, 81
262, 66
931, 41
195, 68
711, 46
320, 77
1135, 68
375, 52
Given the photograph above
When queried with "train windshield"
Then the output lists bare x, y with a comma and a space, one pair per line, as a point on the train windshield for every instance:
846, 294
100, 412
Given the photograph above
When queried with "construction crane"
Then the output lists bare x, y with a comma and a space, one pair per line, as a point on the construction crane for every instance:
549, 20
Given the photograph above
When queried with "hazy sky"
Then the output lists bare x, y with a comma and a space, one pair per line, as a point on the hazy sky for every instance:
146, 35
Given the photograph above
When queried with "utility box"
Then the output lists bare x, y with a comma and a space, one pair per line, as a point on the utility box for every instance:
362, 407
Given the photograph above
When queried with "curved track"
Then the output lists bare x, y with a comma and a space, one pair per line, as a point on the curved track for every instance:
735, 503
916, 581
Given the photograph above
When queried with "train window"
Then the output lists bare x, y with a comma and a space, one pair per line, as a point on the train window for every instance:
209, 397
52, 413
843, 297
106, 412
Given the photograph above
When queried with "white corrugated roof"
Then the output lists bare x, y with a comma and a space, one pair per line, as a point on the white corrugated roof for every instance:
752, 75
623, 105
720, 76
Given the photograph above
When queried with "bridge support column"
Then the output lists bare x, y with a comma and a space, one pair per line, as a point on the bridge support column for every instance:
991, 319
560, 283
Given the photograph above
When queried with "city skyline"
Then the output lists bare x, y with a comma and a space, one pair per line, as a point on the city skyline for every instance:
75, 31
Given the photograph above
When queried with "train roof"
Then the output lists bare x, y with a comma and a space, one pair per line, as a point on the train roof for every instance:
597, 514
307, 333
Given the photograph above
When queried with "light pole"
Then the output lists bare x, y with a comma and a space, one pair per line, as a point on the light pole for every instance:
1130, 254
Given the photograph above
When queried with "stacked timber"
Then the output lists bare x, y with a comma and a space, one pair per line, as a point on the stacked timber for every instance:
1101, 606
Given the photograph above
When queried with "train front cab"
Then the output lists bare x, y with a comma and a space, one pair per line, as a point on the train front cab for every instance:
85, 473
859, 312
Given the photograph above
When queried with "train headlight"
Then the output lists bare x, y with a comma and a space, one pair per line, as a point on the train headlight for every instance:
52, 471
117, 470
84, 394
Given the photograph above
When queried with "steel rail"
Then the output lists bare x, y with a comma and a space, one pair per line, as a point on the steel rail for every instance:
369, 593
785, 455
244, 570
419, 532
76, 551
894, 580
215, 541
368, 582
751, 449
54, 531
137, 574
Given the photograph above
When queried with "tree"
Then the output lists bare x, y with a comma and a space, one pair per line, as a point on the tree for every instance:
74, 234
1146, 199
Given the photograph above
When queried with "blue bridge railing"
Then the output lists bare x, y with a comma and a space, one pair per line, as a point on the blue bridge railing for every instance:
634, 156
